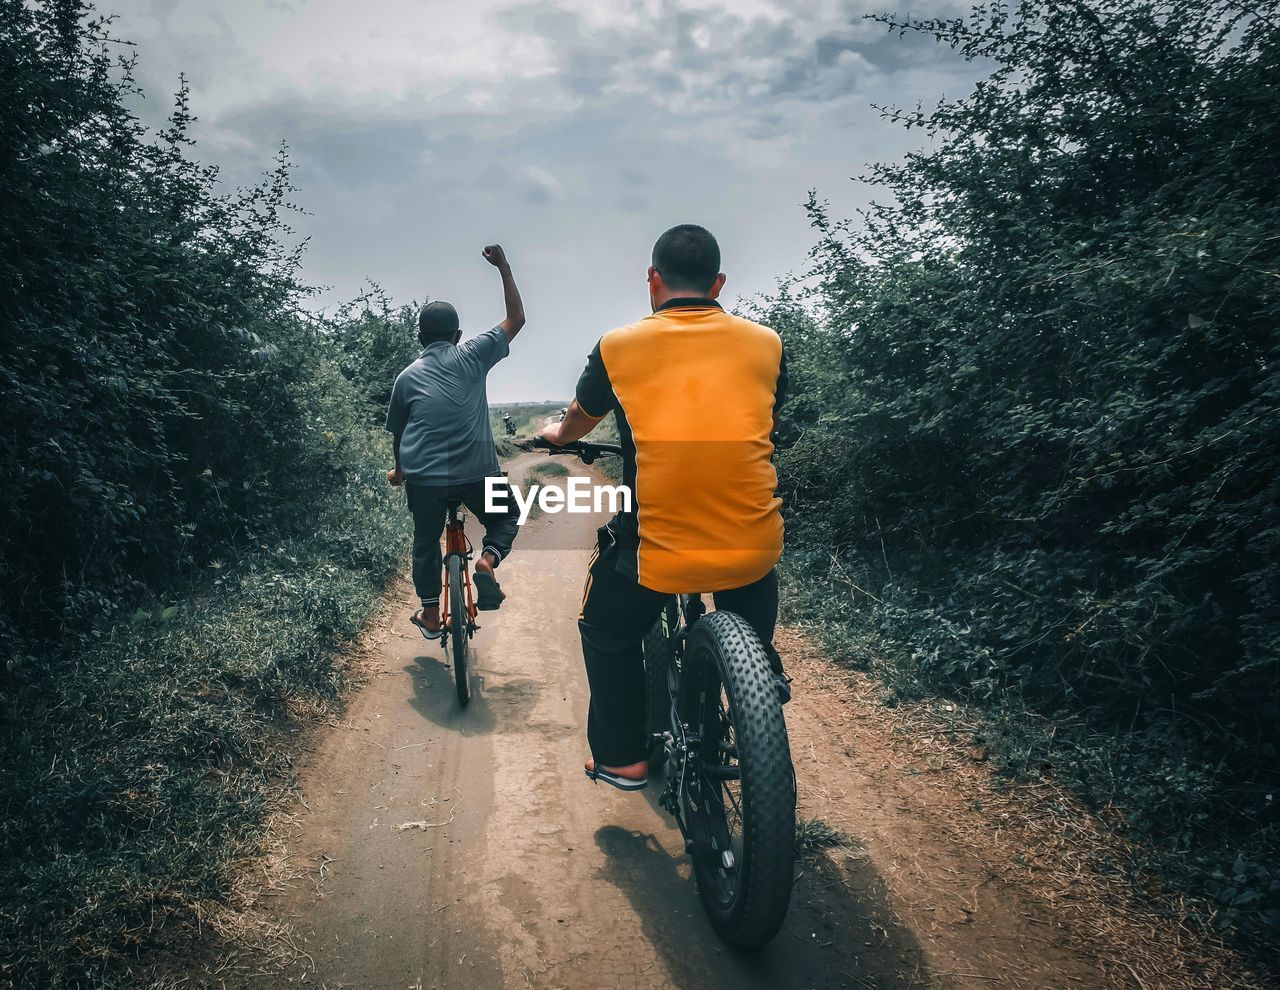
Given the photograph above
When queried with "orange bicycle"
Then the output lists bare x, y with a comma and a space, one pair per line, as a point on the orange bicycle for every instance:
457, 601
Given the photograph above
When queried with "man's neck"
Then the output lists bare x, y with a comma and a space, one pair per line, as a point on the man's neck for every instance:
671, 300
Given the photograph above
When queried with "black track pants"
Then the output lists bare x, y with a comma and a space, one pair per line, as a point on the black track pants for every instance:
429, 505
617, 612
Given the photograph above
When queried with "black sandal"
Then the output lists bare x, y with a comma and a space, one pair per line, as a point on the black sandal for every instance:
428, 633
489, 594
598, 773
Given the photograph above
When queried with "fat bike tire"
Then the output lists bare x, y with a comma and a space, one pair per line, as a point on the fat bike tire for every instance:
748, 805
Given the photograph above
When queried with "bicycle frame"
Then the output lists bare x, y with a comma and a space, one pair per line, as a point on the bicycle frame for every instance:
456, 543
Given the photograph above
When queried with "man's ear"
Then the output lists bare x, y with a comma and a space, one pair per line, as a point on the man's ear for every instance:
457, 336
716, 286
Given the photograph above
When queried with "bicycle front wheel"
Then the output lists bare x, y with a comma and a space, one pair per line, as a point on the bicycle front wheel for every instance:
740, 797
459, 636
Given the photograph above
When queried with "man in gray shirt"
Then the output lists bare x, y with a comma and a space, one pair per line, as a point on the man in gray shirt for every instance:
439, 418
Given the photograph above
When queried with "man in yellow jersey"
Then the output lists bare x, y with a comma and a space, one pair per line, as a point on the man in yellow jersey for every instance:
695, 392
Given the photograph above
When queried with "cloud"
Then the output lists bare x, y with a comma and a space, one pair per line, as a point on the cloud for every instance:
751, 72
527, 183
571, 130
540, 186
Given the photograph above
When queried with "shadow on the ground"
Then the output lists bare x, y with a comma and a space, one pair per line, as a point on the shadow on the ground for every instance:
495, 698
839, 931
436, 700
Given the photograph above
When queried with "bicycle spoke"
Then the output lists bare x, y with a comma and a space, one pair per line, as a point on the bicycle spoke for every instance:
729, 782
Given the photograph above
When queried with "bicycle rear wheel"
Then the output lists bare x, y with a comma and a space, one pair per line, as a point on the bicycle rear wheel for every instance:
459, 637
740, 798
659, 680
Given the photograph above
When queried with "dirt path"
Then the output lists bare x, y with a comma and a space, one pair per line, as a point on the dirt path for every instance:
464, 848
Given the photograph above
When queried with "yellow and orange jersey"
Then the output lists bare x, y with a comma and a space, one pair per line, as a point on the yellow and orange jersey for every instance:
694, 390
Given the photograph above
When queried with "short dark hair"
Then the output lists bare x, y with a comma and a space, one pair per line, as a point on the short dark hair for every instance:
687, 257
437, 321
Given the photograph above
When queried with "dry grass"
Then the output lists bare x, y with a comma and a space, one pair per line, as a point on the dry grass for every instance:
240, 935
814, 834
1031, 837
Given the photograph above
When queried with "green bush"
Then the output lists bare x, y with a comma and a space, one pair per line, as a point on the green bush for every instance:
138, 769
164, 400
378, 340
195, 517
1037, 393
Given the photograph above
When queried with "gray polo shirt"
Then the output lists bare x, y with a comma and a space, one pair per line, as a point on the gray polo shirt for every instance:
441, 405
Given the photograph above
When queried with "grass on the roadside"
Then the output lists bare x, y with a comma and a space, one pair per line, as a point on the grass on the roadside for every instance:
140, 769
527, 417
606, 431
1152, 783
546, 471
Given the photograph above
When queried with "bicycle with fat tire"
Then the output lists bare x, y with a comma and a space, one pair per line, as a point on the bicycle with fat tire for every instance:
716, 725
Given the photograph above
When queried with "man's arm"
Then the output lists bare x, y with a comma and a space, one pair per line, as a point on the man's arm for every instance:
593, 392
397, 419
510, 294
396, 474
575, 425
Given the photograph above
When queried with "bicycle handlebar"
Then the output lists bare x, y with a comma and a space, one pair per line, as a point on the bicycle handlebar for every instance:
583, 449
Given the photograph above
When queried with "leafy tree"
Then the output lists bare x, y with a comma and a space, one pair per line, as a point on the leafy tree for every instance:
193, 507
164, 401
1048, 373
378, 340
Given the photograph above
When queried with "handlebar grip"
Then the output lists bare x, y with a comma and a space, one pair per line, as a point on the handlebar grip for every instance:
587, 452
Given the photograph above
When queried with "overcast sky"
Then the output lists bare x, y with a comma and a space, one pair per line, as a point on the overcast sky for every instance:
571, 131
